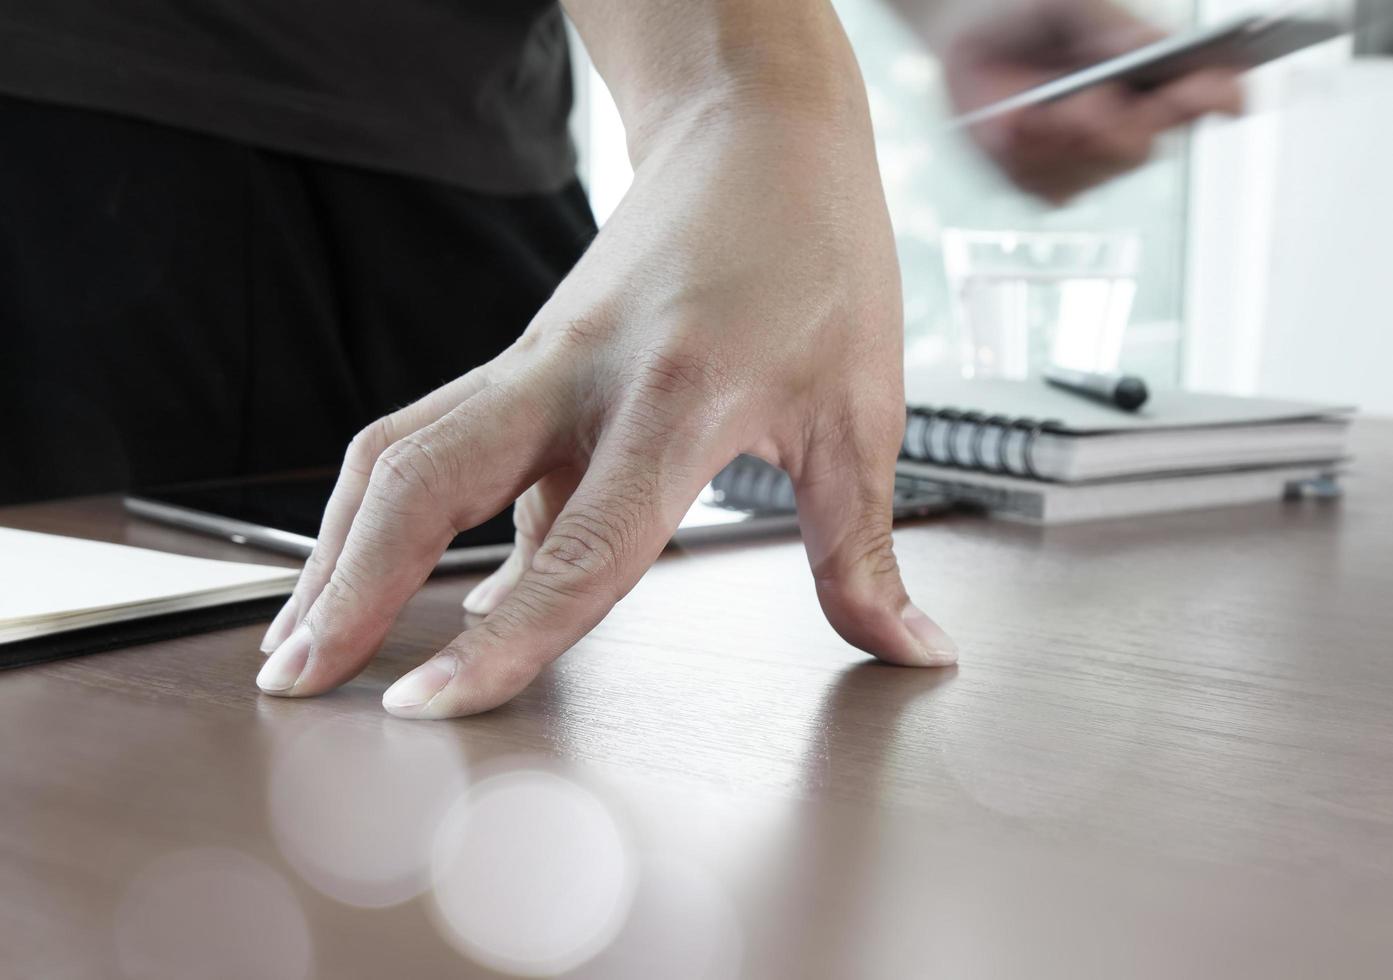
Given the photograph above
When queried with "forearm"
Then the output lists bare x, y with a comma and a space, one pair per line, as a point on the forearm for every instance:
672, 63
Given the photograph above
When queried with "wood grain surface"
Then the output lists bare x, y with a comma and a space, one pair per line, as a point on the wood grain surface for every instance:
1167, 752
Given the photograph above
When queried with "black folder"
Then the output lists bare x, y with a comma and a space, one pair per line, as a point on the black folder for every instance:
134, 632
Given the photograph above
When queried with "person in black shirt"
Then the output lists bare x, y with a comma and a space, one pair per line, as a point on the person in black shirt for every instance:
233, 233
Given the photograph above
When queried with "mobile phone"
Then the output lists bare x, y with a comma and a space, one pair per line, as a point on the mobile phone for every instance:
1241, 43
282, 514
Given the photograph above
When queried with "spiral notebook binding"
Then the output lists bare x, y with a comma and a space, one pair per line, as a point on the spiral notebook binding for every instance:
923, 442
751, 484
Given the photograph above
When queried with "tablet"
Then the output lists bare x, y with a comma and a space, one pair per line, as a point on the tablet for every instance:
1240, 44
282, 514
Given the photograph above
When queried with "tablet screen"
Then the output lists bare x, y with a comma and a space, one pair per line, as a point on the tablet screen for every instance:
296, 505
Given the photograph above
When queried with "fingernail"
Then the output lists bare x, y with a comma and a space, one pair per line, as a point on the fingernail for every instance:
938, 648
283, 668
280, 627
417, 688
484, 597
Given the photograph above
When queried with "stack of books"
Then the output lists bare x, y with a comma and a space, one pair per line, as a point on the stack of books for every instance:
1028, 451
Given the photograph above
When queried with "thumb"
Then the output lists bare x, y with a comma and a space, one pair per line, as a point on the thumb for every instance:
845, 506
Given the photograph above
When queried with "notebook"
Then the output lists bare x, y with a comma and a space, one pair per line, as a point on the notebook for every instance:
1028, 451
61, 595
1032, 430
1037, 502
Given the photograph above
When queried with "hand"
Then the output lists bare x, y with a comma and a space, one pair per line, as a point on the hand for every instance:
744, 298
1060, 149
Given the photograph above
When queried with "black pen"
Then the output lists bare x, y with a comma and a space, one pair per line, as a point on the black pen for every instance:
1123, 391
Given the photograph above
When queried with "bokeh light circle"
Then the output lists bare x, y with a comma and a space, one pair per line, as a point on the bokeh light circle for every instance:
532, 875
211, 912
354, 807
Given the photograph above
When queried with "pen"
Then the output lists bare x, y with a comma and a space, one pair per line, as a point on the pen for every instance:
1123, 391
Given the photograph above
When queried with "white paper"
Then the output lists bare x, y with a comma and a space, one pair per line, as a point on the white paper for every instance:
50, 583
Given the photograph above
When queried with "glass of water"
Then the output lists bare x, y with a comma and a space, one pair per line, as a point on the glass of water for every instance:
1023, 300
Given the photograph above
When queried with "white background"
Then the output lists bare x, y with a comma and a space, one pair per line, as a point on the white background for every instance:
1288, 285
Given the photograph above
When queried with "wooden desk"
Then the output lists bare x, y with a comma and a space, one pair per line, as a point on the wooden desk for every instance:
1168, 752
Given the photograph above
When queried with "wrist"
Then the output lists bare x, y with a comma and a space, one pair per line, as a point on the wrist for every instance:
751, 73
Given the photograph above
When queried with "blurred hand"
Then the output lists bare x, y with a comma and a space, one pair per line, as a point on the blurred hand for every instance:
1060, 149
744, 298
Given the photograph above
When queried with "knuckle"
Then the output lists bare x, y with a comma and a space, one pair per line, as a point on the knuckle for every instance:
540, 600
864, 573
668, 398
369, 443
584, 544
675, 373
513, 665
409, 467
645, 421
528, 341
574, 335
340, 592
346, 611
874, 548
503, 624
526, 606
664, 391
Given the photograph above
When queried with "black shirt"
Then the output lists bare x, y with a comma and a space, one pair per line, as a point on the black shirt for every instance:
471, 92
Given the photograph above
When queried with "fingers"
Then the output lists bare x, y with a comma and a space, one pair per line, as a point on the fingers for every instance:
362, 455
614, 526
533, 516
1058, 150
845, 492
452, 474
1214, 91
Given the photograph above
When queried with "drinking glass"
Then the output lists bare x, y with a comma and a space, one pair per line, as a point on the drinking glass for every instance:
1023, 300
